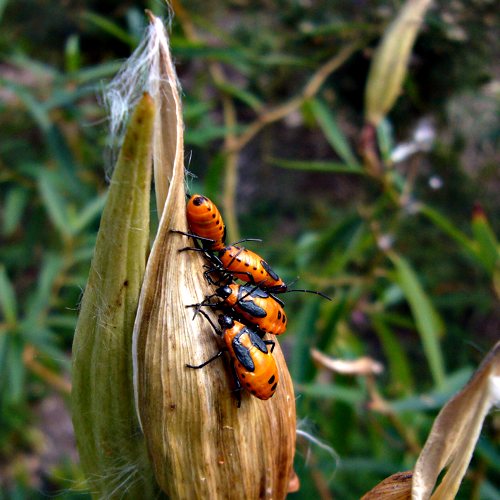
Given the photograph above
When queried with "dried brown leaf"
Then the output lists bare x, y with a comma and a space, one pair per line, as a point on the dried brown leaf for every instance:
360, 366
390, 62
455, 432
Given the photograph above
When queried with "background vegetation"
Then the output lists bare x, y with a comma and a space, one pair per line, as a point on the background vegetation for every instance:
273, 103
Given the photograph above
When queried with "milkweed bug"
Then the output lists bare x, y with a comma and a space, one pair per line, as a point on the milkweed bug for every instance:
252, 362
252, 304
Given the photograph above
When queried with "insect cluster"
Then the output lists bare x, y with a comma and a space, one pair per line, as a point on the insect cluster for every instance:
249, 310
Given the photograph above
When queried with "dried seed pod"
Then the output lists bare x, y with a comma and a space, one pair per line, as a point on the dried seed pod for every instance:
112, 449
201, 445
395, 487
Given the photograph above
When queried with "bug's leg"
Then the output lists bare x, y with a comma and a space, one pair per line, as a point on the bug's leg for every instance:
218, 331
206, 302
213, 358
194, 236
271, 343
237, 383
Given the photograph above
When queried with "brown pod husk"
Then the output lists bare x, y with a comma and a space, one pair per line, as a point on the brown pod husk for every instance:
201, 445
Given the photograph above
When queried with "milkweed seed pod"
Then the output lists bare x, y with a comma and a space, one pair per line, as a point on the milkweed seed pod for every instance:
200, 443
112, 450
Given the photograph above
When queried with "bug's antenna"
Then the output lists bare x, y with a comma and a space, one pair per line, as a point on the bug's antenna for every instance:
321, 294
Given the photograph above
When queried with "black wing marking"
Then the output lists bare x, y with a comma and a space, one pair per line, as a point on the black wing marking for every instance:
250, 307
251, 291
257, 341
271, 273
242, 353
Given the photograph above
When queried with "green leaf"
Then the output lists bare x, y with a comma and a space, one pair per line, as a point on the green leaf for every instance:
15, 202
39, 302
72, 53
399, 364
436, 398
109, 27
317, 166
385, 139
14, 372
3, 4
351, 396
8, 302
91, 211
428, 322
445, 225
54, 202
334, 135
487, 243
243, 95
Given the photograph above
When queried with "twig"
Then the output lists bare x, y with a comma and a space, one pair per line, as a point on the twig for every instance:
309, 91
51, 378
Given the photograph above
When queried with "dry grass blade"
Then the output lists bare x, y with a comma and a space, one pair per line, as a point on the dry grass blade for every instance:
390, 62
455, 432
200, 443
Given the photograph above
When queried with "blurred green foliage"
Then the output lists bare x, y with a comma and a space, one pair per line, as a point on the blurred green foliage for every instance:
412, 274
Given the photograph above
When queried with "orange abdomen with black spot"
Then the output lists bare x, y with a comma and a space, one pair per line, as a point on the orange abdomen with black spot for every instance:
205, 220
254, 364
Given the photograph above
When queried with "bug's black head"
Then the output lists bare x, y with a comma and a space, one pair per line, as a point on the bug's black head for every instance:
198, 200
224, 291
225, 321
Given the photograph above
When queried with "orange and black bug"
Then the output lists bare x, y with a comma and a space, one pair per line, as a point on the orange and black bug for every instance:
252, 362
252, 304
250, 267
205, 223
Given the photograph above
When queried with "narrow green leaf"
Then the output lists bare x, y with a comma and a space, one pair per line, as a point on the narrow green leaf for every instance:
385, 139
428, 322
62, 321
96, 73
436, 398
89, 213
317, 166
334, 135
54, 202
72, 53
14, 371
351, 396
39, 302
302, 368
109, 27
15, 202
444, 224
399, 364
243, 95
8, 302
206, 134
3, 4
32, 105
487, 242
